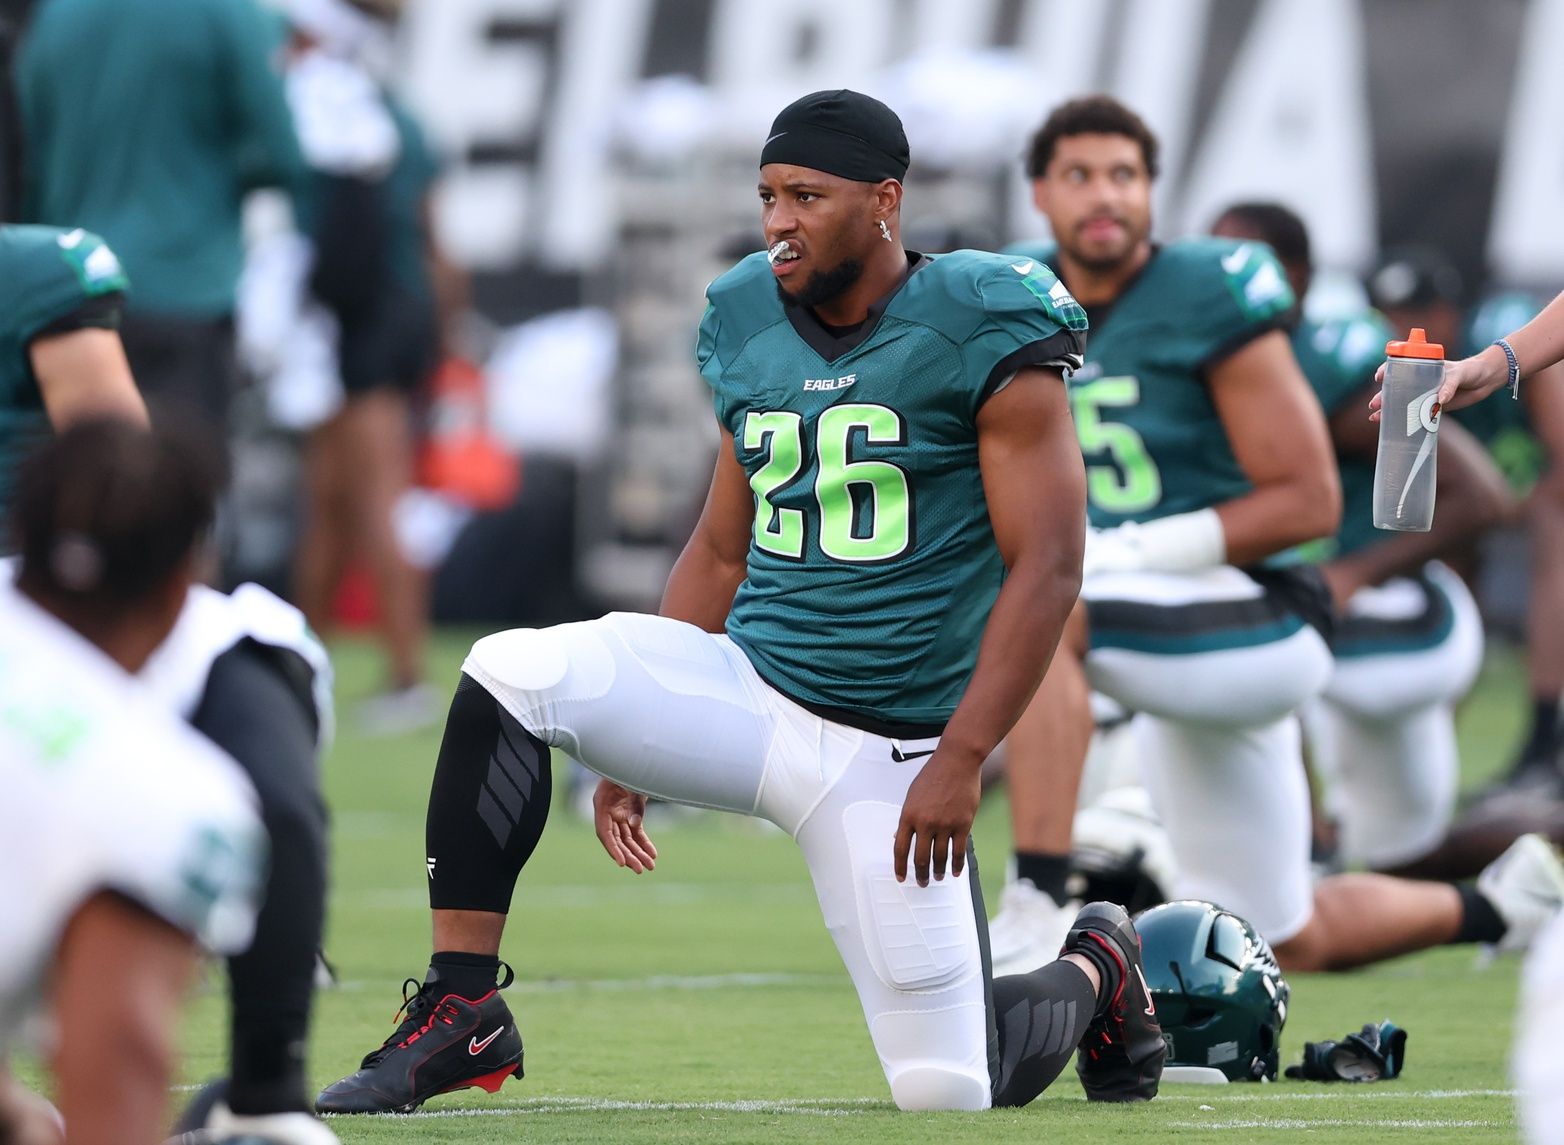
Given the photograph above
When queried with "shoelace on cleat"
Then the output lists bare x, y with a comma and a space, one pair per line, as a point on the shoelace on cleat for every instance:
409, 1012
443, 1013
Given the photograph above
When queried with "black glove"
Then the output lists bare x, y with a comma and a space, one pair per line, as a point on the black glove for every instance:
1374, 1053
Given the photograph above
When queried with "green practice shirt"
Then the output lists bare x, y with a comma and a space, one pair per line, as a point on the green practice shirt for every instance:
50, 280
146, 122
873, 564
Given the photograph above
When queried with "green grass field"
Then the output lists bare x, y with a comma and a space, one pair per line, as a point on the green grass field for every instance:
704, 1002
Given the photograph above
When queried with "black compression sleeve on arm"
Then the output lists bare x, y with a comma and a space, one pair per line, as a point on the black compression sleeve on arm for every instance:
488, 805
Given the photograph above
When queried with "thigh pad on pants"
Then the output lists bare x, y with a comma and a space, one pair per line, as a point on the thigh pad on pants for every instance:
917, 938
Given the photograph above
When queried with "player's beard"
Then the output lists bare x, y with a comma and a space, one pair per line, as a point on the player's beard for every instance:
1106, 262
823, 286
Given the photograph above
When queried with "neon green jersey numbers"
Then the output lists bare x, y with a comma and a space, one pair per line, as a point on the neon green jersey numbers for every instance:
884, 527
1127, 481
865, 504
779, 531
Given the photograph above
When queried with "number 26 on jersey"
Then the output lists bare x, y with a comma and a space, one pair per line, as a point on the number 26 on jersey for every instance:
865, 506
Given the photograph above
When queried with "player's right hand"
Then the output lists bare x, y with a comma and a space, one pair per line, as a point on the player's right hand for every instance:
618, 814
936, 817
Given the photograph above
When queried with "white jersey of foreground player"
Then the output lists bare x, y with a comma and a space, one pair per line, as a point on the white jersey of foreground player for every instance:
210, 624
1538, 1065
107, 790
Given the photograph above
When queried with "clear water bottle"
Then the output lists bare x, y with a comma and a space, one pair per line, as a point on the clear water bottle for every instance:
1408, 435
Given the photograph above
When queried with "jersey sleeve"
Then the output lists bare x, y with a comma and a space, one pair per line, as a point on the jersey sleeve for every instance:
1029, 319
75, 281
1237, 293
707, 360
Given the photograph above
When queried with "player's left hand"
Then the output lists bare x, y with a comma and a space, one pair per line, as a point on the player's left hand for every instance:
618, 815
936, 819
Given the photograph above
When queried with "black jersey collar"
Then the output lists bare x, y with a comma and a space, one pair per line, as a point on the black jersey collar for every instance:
832, 342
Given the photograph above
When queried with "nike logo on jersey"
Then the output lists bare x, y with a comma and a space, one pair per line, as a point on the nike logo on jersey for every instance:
1236, 260
824, 385
475, 1047
72, 240
1023, 268
1151, 1006
896, 754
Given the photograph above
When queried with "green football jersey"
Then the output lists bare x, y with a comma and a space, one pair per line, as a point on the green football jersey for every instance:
1339, 358
49, 278
873, 565
1153, 443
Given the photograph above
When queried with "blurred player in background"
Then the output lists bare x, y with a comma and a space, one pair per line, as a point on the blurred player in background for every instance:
61, 293
375, 273
1408, 639
1207, 458
128, 838
147, 123
891, 583
1420, 288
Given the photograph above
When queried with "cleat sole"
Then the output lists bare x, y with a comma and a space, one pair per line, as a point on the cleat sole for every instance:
489, 1082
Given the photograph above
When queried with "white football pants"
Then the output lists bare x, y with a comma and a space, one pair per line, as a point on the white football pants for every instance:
1217, 670
1382, 736
666, 709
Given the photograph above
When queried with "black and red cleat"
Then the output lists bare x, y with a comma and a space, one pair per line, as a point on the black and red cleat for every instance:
1121, 1053
444, 1043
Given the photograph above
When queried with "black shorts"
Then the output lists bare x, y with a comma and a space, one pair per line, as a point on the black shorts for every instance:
396, 346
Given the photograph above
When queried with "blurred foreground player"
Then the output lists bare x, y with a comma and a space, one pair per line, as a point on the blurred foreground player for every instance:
1207, 458
129, 839
244, 670
61, 292
891, 541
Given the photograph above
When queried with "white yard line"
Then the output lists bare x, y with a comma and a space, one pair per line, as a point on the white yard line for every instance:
1219, 1093
848, 1106
1296, 1123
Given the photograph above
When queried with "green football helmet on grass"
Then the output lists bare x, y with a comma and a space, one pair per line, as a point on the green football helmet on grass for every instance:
1219, 992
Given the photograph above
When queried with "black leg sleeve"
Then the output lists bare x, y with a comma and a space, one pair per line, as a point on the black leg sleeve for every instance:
1041, 1017
253, 711
488, 805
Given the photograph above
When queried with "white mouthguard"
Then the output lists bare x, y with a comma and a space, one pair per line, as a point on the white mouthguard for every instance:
777, 251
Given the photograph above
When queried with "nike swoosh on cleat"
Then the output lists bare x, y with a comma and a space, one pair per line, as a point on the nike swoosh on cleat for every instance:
1151, 1005
897, 755
475, 1047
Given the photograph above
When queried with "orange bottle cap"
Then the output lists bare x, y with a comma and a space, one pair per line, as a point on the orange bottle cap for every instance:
1417, 345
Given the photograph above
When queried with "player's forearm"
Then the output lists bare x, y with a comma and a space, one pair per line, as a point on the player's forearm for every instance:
1274, 518
701, 586
1018, 643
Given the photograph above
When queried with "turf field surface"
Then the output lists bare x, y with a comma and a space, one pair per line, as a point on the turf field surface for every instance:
704, 1002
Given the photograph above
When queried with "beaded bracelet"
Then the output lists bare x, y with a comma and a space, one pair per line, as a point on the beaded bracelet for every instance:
1515, 368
